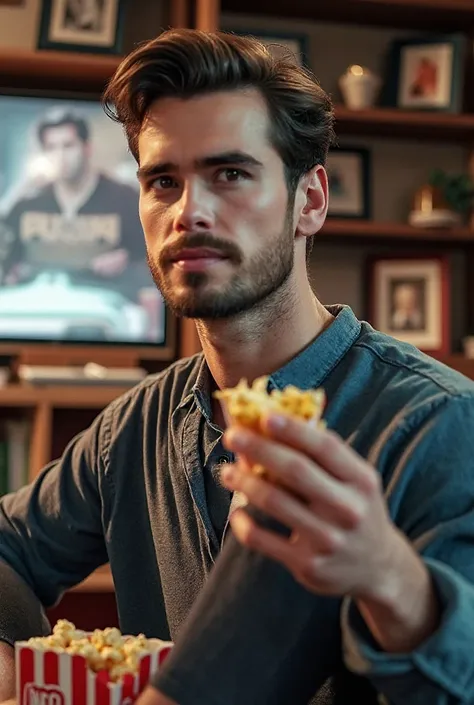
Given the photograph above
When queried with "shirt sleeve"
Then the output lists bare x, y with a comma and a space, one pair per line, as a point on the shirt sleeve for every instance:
251, 636
51, 531
434, 491
21, 613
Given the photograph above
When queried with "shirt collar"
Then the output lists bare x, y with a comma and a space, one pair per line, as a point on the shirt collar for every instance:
307, 370
311, 366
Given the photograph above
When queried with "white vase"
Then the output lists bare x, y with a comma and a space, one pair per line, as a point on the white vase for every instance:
359, 87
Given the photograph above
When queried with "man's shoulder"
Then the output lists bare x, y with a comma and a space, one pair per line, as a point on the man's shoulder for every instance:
383, 391
37, 200
169, 388
410, 367
107, 185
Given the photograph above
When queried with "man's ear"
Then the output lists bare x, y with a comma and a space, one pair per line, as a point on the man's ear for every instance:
311, 202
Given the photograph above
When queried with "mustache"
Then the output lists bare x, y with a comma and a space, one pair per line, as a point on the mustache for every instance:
206, 239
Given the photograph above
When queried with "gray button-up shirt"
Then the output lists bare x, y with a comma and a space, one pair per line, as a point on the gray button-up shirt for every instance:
140, 489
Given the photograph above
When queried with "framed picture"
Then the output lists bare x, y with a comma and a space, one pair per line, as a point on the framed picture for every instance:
93, 26
427, 74
409, 298
349, 173
280, 43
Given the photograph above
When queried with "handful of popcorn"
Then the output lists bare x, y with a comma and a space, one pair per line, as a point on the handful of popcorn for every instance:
104, 665
247, 405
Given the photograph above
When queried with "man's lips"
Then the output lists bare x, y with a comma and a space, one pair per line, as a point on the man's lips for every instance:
197, 259
198, 253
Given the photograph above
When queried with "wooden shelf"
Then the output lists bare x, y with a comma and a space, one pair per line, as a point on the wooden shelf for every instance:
393, 122
358, 230
442, 15
99, 581
59, 396
55, 70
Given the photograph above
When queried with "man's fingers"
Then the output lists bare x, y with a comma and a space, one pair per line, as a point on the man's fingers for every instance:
251, 535
325, 447
290, 468
152, 696
280, 505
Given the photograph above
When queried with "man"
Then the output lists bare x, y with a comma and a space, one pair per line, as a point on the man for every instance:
407, 309
79, 220
231, 145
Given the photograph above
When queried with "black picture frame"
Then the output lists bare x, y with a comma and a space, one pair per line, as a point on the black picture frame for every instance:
445, 57
302, 40
61, 38
356, 202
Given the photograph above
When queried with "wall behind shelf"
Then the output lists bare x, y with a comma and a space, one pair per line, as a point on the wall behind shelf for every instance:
19, 25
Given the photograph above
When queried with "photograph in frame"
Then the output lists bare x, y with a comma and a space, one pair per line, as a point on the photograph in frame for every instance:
94, 26
349, 175
427, 74
409, 299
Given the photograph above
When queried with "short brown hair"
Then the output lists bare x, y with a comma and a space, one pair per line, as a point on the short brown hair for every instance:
183, 63
58, 118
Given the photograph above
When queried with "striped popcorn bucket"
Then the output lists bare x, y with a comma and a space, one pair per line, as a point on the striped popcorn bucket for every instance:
52, 678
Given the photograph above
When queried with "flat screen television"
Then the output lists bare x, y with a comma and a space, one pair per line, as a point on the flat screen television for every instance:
73, 269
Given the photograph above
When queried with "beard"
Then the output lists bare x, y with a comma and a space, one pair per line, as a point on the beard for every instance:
253, 283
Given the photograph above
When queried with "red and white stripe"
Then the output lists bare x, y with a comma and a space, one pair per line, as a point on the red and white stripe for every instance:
50, 678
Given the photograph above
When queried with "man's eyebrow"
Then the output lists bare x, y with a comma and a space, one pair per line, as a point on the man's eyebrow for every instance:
225, 159
148, 171
229, 158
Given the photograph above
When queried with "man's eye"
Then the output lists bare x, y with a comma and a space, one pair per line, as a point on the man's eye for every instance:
229, 174
164, 182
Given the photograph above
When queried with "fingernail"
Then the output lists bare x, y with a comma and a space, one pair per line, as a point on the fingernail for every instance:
277, 422
227, 473
235, 439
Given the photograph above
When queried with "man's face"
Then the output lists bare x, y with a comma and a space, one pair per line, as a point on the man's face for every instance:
66, 151
406, 298
214, 204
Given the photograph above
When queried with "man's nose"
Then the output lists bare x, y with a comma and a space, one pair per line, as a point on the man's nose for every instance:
194, 209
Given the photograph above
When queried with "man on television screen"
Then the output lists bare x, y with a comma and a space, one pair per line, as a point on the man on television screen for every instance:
77, 220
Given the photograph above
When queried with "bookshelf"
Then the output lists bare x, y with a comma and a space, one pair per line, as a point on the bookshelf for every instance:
38, 405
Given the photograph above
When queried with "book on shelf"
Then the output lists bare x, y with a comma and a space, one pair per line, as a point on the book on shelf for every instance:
14, 454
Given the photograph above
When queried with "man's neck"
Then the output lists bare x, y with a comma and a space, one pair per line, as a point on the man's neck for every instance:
261, 341
71, 196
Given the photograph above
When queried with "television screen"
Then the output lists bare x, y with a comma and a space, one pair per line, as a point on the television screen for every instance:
72, 253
